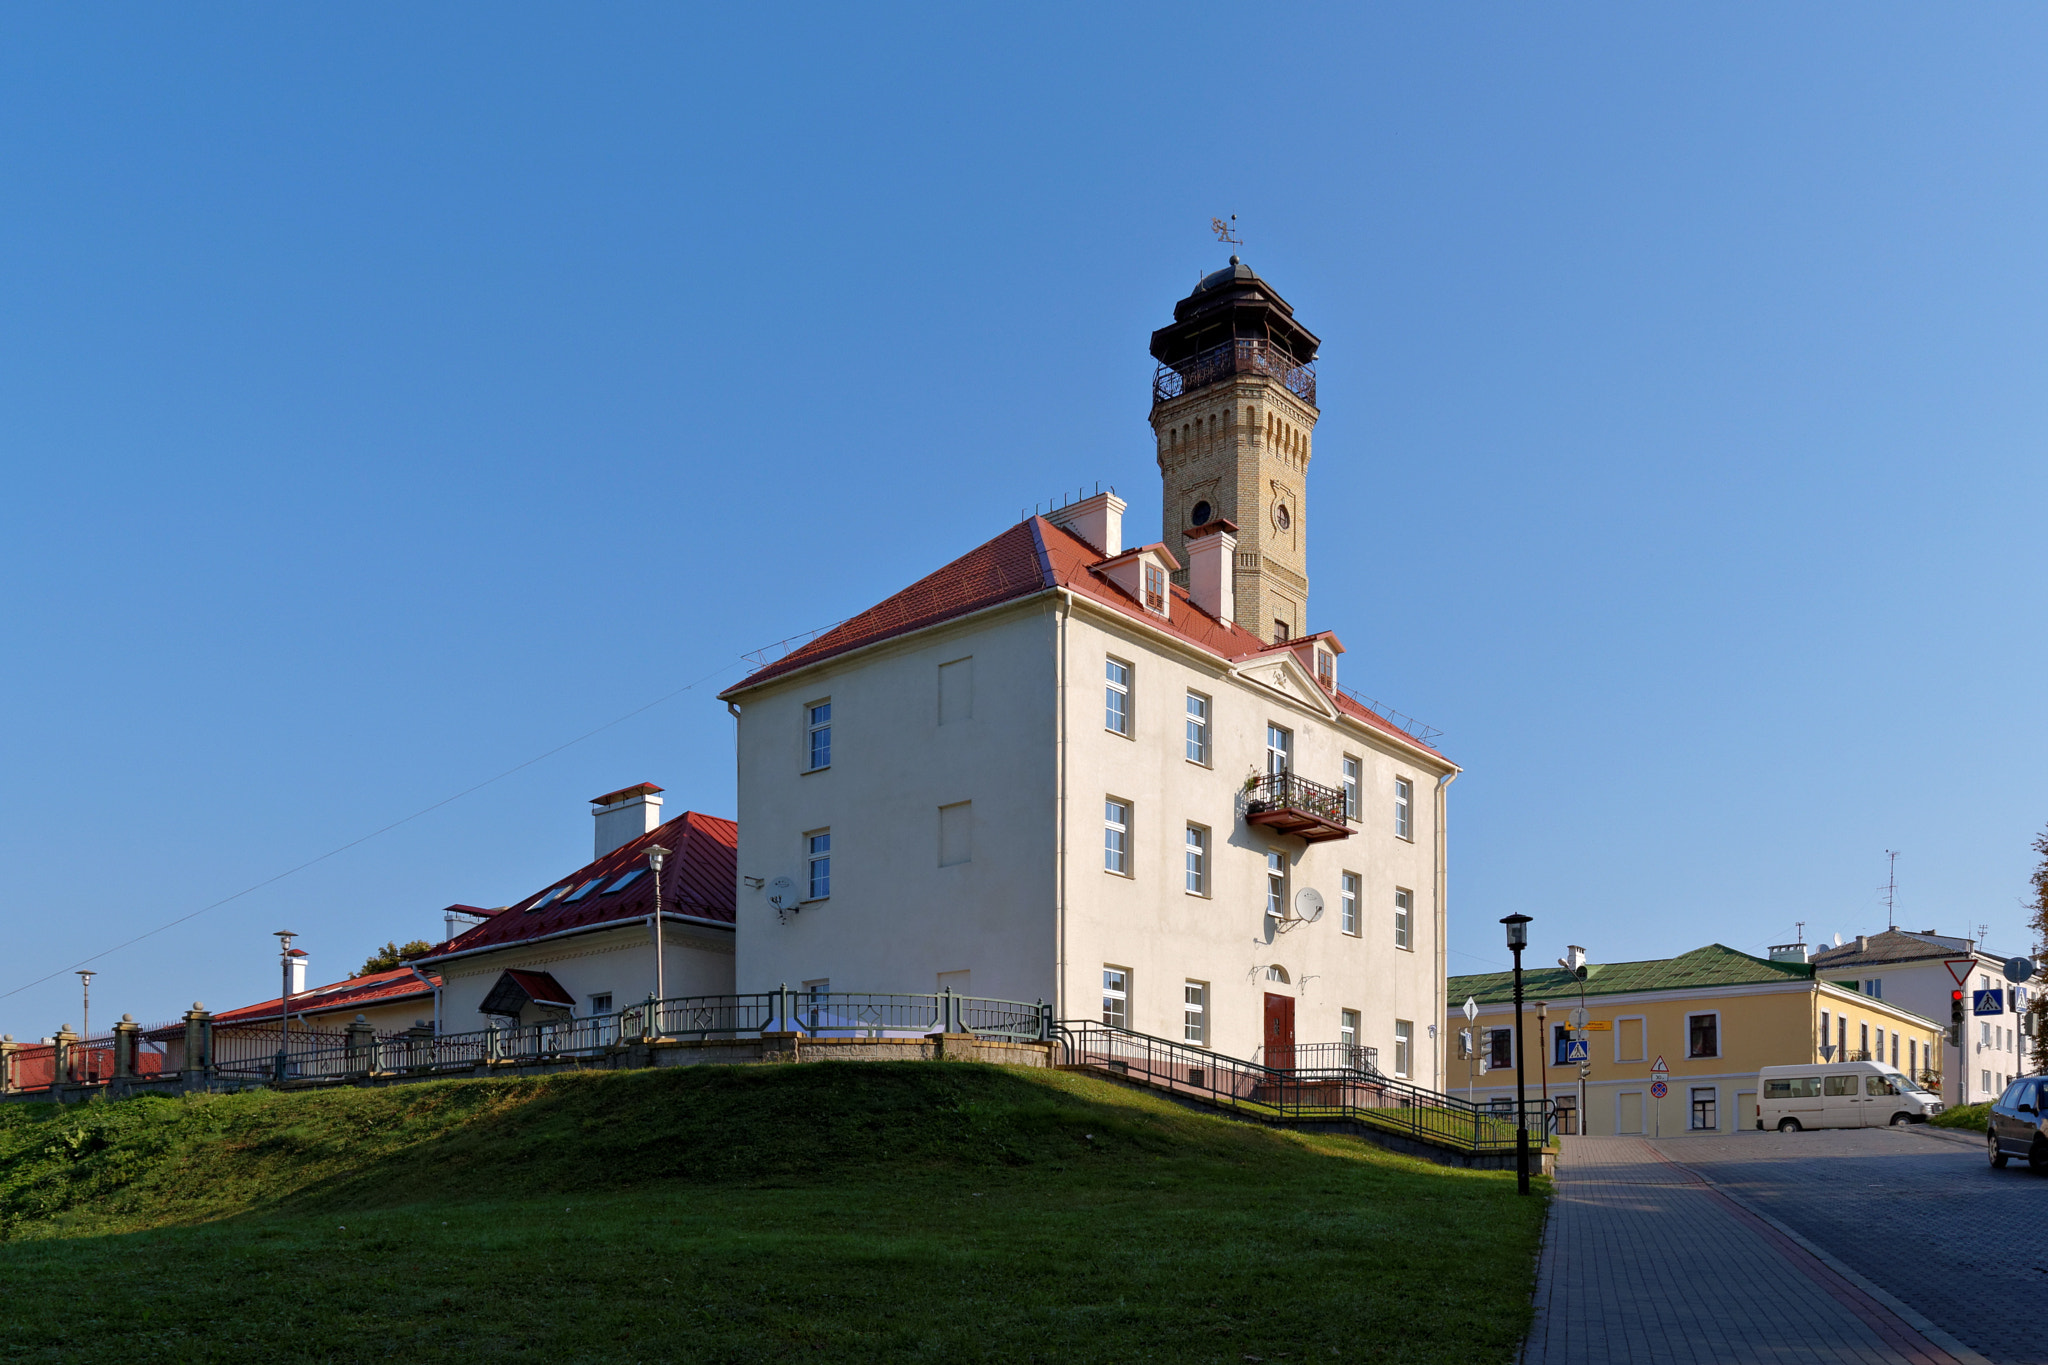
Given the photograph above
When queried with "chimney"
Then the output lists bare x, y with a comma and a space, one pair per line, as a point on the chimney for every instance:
625, 815
1098, 520
1862, 943
299, 974
1212, 560
1789, 952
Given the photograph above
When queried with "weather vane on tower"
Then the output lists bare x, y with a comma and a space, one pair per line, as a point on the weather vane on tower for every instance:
1226, 232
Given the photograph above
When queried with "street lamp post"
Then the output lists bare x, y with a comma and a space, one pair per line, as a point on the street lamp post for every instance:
1518, 939
85, 1024
656, 856
285, 954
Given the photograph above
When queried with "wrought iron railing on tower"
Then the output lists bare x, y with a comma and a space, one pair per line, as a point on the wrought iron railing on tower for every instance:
1243, 355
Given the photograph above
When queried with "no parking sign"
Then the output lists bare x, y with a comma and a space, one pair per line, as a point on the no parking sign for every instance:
1659, 1089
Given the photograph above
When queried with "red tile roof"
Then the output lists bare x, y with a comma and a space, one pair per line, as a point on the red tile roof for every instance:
696, 881
1031, 557
353, 994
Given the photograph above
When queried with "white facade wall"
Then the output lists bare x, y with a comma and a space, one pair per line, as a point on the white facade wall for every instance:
1165, 937
1032, 913
617, 960
1991, 1043
896, 919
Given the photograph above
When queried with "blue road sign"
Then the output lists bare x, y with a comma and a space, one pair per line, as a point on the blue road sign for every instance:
1987, 1002
1659, 1090
1579, 1051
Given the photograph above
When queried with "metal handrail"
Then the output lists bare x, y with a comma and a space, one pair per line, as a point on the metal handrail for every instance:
1317, 1094
1241, 355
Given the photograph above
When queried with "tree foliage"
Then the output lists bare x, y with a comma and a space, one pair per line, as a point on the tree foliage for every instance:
391, 955
2037, 1009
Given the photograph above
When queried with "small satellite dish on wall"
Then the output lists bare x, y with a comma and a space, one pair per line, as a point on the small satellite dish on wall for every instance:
1308, 905
782, 894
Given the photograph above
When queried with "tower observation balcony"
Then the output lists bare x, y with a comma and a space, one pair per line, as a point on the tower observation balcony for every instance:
1240, 355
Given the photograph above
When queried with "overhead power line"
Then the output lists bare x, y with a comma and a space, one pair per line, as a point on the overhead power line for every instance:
363, 839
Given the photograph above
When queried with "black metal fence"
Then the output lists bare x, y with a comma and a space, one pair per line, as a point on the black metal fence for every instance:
1291, 791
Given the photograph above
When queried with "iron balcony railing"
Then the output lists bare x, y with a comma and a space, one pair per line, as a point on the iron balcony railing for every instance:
1299, 1093
1317, 1058
1297, 805
1244, 355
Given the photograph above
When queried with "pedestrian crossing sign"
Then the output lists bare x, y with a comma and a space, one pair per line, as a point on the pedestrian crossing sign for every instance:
1578, 1051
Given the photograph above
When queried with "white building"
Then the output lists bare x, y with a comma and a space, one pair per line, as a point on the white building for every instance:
1047, 771
1910, 970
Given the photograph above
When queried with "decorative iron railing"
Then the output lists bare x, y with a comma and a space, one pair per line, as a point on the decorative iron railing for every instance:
1311, 1058
1244, 355
834, 1014
1301, 1093
1290, 791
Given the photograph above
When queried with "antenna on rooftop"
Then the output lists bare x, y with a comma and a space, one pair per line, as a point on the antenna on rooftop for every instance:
1891, 890
1799, 928
1226, 232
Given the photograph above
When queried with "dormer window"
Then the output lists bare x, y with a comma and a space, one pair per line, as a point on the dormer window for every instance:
1326, 668
1155, 588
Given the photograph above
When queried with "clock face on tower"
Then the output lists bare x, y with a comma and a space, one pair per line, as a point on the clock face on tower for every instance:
1200, 516
1282, 518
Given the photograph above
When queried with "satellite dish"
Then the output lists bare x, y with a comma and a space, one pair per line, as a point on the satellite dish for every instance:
2019, 970
1308, 905
782, 893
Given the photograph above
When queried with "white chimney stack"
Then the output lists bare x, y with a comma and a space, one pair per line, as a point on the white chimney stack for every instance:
624, 815
299, 975
1098, 520
1212, 566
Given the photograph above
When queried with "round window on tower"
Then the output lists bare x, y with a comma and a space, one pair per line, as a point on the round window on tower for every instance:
1282, 518
1200, 516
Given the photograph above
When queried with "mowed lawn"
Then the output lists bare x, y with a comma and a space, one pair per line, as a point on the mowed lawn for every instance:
894, 1211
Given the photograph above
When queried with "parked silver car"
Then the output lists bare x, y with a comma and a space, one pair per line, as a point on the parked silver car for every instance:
2017, 1126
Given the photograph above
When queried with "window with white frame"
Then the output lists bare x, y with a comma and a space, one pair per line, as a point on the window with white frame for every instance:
1351, 774
818, 855
1279, 749
1823, 1028
1116, 697
1347, 1031
1116, 997
1326, 668
1500, 1049
1198, 861
1116, 836
1348, 887
1198, 729
1194, 1013
818, 735
1404, 808
1276, 883
1404, 1047
1276, 972
1404, 917
1874, 987
601, 1003
1155, 589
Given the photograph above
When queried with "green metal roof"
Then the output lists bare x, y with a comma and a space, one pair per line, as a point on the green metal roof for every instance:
1713, 965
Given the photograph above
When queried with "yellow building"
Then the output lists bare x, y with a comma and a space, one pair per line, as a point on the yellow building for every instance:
1712, 1016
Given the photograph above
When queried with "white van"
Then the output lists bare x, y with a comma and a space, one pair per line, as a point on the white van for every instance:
1839, 1095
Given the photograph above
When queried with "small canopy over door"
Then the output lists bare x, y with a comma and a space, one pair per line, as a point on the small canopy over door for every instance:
528, 997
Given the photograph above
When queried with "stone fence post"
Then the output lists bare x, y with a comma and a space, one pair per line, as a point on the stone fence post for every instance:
126, 1033
361, 1039
198, 1042
10, 1073
64, 1057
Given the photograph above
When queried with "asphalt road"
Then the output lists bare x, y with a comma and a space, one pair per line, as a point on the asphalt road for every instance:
1917, 1211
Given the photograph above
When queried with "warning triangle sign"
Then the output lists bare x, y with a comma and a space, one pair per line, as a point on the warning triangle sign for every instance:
1960, 968
1659, 1069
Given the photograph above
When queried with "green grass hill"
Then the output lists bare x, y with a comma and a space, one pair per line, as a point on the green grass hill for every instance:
898, 1211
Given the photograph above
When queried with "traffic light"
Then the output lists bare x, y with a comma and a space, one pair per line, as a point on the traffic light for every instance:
1955, 1008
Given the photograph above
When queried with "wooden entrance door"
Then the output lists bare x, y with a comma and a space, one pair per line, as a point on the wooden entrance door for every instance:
1280, 1031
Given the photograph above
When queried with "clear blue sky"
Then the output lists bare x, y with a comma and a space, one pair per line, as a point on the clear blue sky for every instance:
390, 395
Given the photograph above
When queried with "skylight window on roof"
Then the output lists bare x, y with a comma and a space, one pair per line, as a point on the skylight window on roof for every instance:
549, 899
583, 891
622, 883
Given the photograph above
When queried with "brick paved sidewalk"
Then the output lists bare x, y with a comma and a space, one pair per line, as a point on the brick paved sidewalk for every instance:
1645, 1262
